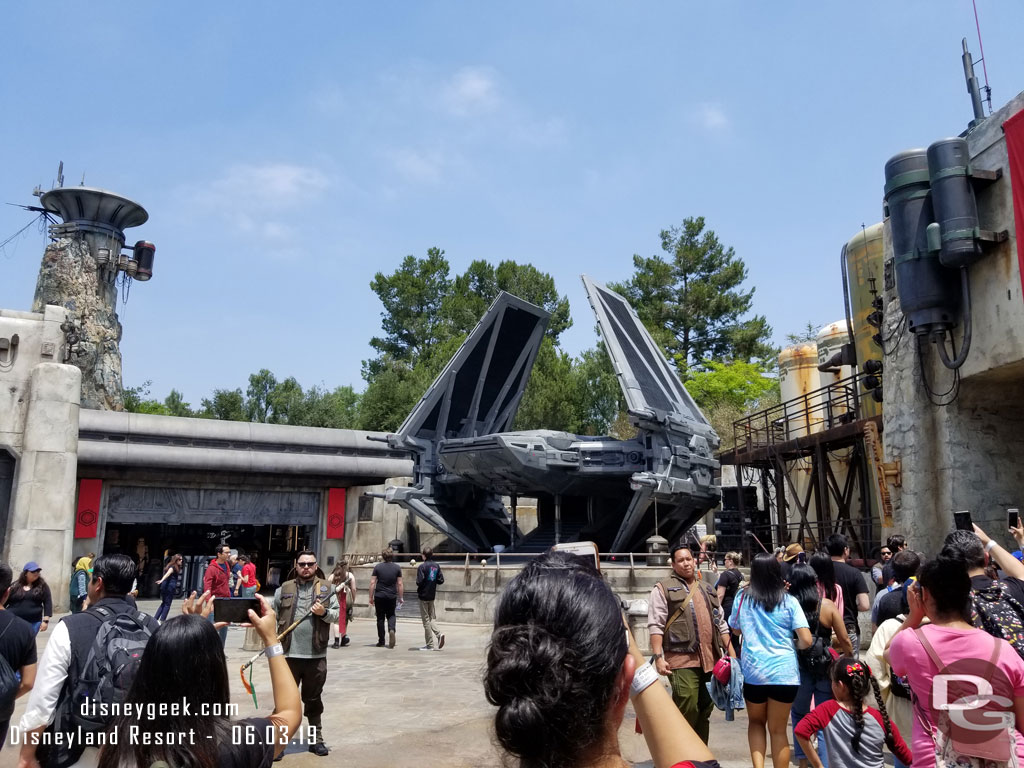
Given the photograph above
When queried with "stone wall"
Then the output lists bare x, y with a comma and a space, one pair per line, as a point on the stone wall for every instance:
69, 277
964, 455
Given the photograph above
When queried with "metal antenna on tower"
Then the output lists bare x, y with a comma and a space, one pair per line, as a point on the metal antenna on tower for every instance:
981, 49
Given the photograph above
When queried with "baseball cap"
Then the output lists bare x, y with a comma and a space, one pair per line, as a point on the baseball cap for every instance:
32, 565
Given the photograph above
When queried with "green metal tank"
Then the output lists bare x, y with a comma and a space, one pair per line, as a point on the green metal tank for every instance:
864, 265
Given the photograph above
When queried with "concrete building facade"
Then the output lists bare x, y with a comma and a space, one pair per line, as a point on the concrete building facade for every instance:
39, 405
960, 451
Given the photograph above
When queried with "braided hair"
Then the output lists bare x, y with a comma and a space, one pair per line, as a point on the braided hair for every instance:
857, 678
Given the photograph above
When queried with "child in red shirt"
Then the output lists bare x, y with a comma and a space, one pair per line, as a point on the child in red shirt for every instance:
853, 732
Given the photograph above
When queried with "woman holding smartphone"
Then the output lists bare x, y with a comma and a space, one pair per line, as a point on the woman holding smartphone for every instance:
184, 662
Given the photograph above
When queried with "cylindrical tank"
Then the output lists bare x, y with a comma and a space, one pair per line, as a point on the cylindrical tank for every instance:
928, 296
144, 253
956, 210
864, 270
798, 376
830, 340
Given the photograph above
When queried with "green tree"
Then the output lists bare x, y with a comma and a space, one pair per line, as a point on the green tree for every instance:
599, 394
286, 403
137, 400
391, 393
808, 333
226, 404
176, 405
337, 408
692, 302
726, 392
257, 404
551, 399
412, 297
426, 318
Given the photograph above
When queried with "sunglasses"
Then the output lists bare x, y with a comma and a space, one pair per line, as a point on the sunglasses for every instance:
306, 565
886, 552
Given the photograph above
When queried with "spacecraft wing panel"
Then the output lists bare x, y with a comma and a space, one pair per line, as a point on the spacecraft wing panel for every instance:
648, 382
478, 392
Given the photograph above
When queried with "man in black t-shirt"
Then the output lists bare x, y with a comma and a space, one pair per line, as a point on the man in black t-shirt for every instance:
851, 582
18, 647
729, 582
386, 594
428, 576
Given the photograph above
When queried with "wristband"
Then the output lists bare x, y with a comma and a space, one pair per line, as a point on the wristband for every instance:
991, 544
274, 650
643, 679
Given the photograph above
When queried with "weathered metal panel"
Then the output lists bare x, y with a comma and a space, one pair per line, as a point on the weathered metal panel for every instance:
214, 506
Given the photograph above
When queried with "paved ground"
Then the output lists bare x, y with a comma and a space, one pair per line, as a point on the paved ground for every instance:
405, 708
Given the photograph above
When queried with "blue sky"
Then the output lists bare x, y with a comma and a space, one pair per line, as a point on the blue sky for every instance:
287, 152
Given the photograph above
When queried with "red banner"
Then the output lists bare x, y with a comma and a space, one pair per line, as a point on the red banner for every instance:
1014, 129
88, 516
336, 513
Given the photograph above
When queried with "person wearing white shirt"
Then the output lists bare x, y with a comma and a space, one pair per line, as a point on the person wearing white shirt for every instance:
64, 658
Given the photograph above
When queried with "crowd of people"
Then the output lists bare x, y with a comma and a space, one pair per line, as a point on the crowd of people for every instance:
941, 682
107, 658
952, 623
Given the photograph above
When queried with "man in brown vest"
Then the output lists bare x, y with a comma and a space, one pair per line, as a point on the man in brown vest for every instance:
312, 596
688, 635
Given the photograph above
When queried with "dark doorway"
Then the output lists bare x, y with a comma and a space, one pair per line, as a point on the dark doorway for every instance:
6, 492
272, 548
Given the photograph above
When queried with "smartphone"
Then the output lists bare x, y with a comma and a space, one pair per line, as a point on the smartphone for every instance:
234, 610
801, 558
962, 521
1012, 518
586, 549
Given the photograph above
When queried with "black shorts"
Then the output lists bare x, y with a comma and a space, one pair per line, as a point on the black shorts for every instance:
759, 694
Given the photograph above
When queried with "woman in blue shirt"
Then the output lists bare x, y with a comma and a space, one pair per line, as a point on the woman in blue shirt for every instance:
767, 617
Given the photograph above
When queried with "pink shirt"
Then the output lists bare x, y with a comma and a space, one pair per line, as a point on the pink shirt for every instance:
908, 657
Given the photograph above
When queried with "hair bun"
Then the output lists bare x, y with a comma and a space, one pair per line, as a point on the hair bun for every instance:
531, 678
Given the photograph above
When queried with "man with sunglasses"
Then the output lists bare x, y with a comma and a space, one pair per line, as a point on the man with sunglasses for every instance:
309, 597
877, 573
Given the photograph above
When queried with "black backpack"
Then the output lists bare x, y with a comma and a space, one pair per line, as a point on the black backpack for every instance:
818, 658
109, 668
9, 680
999, 614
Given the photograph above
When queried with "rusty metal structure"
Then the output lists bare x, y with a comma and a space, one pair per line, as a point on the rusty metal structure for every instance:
818, 429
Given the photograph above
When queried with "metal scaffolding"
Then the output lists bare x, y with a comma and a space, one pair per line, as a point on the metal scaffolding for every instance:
813, 432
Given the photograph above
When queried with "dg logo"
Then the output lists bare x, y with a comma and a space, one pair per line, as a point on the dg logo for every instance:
976, 697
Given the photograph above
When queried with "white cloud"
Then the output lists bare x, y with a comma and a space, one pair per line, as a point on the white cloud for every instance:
251, 197
416, 165
471, 91
268, 186
711, 117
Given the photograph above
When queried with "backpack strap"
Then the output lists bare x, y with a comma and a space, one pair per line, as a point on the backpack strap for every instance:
930, 650
817, 618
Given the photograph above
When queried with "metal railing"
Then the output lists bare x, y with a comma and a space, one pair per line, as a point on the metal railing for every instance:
494, 559
822, 409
